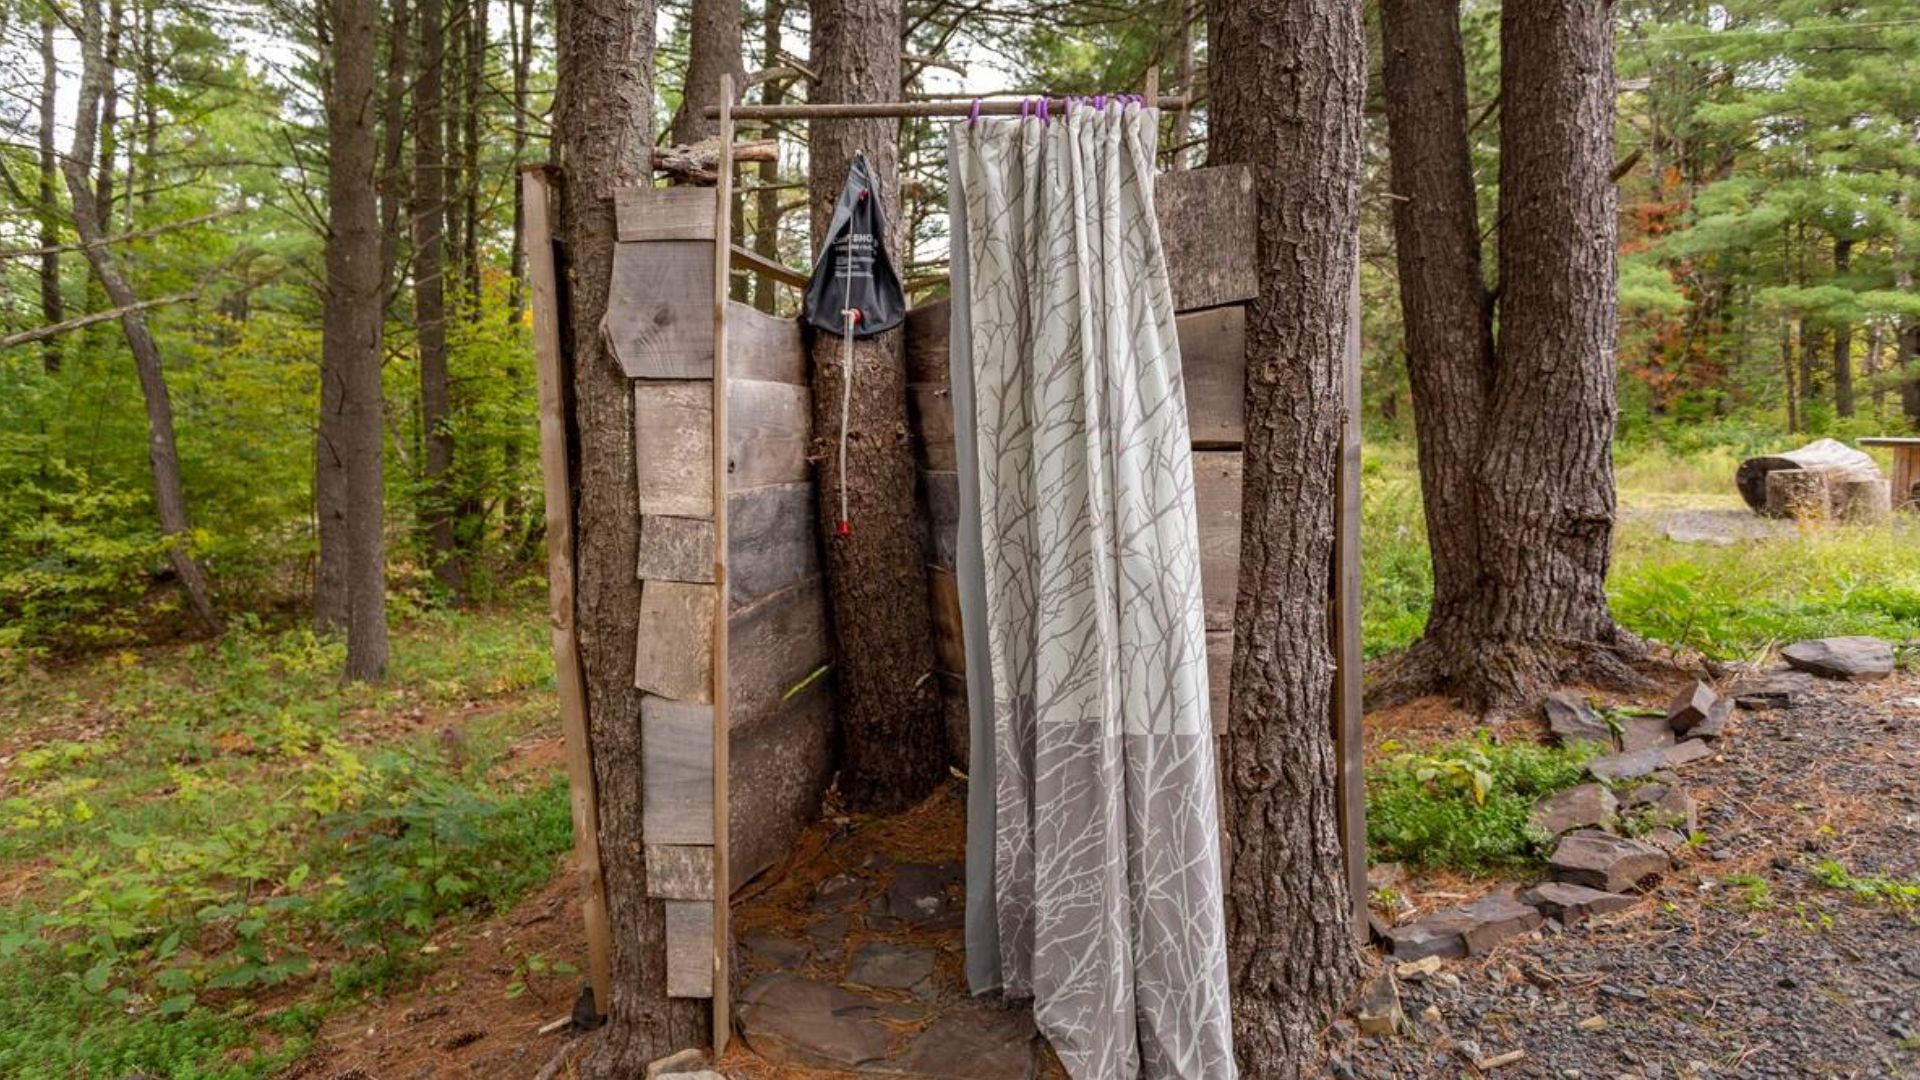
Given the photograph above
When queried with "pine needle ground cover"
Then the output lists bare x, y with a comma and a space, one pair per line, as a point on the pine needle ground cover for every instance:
204, 849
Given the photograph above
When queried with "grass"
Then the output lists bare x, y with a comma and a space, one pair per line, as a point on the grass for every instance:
204, 849
1465, 804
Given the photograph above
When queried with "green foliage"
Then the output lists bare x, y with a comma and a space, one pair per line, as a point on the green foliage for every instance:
1464, 805
1879, 890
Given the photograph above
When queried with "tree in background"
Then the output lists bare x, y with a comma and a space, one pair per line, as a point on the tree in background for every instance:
1288, 83
428, 215
602, 140
894, 751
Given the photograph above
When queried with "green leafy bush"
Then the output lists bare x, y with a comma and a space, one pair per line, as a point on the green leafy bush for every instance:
1464, 805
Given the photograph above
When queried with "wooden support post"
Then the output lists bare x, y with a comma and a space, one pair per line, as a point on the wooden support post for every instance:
555, 478
722, 736
1348, 741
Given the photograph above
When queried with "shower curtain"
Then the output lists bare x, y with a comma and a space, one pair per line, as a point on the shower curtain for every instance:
1093, 870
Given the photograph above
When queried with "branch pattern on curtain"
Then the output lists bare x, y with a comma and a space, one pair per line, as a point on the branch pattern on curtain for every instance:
1093, 836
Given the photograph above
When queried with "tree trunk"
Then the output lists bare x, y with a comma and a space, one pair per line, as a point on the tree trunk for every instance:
1546, 482
169, 498
894, 746
52, 309
602, 139
1870, 366
522, 41
1443, 294
1786, 374
766, 211
1842, 336
350, 336
478, 43
713, 50
109, 120
428, 214
1288, 79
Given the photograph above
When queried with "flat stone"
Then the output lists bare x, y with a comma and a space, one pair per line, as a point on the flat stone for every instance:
886, 966
1663, 804
1778, 689
1715, 724
1686, 753
1690, 707
1667, 840
1467, 930
836, 892
1640, 732
1573, 904
1603, 861
1572, 720
1495, 918
794, 1021
1630, 765
922, 895
976, 1041
1855, 657
1378, 1010
1437, 935
1586, 806
773, 951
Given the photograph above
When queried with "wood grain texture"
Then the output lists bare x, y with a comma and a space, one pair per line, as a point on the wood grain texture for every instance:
1216, 496
949, 646
1219, 676
764, 347
777, 642
675, 213
1213, 368
659, 318
1207, 231
673, 447
780, 767
673, 654
680, 871
769, 427
689, 948
676, 548
940, 499
676, 755
928, 344
930, 412
771, 542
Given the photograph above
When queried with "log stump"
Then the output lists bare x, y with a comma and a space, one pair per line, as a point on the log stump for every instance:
1862, 501
1836, 460
1800, 495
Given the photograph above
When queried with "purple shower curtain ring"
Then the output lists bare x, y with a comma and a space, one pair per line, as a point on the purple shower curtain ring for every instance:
1024, 102
1044, 121
973, 116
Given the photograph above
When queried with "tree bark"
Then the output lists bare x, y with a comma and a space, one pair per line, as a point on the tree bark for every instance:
894, 747
602, 140
479, 41
169, 497
766, 210
1443, 295
1288, 80
713, 50
351, 333
52, 309
109, 119
428, 215
1842, 336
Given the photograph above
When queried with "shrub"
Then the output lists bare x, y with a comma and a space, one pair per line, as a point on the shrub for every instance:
1464, 805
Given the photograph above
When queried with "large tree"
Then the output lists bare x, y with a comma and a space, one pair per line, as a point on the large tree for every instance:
1288, 85
428, 215
713, 50
602, 136
895, 746
1515, 435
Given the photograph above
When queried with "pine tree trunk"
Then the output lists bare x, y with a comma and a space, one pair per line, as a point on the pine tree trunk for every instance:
52, 309
1443, 294
478, 43
109, 120
354, 321
428, 215
1288, 79
602, 137
713, 48
163, 455
894, 746
766, 211
1546, 484
1842, 336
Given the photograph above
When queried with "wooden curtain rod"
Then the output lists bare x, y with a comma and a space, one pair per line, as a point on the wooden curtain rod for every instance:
885, 110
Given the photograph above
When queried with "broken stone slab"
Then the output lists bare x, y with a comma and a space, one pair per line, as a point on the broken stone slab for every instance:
922, 895
1586, 806
1467, 930
794, 1021
1686, 753
1853, 657
1692, 707
1378, 1010
1573, 721
1715, 724
1640, 732
1777, 689
1603, 861
770, 950
885, 966
976, 1041
1663, 804
1613, 768
836, 892
1667, 840
1573, 904
1434, 936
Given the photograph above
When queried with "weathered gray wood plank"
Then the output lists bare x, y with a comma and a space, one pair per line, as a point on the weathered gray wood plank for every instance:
1216, 496
776, 643
659, 318
680, 871
940, 492
927, 345
675, 213
676, 767
765, 347
1219, 676
770, 540
689, 948
1213, 368
930, 415
769, 425
779, 768
673, 447
949, 645
676, 548
1207, 231
673, 650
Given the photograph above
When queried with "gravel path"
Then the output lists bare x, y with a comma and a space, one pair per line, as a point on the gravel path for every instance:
1749, 960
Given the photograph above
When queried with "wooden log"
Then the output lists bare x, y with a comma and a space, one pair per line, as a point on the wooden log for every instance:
1216, 496
676, 763
690, 957
772, 543
676, 213
675, 548
1207, 232
673, 447
953, 707
769, 428
1827, 456
673, 651
699, 163
659, 320
1863, 502
780, 767
1798, 494
680, 871
949, 644
779, 642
